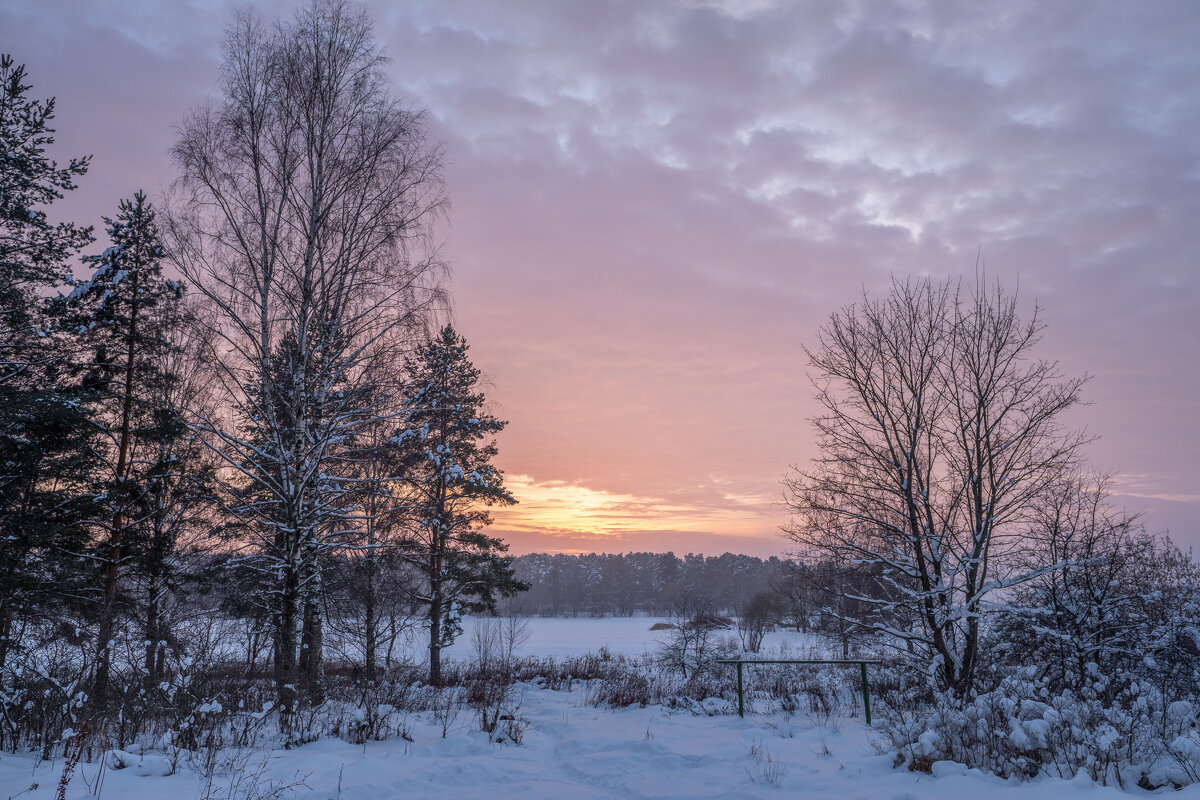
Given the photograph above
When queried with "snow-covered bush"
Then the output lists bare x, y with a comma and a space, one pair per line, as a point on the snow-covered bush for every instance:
1020, 729
42, 701
621, 690
1092, 665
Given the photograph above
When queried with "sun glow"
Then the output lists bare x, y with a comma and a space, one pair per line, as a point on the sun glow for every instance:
562, 507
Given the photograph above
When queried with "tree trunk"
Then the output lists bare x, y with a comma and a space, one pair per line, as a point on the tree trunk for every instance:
393, 633
6, 625
312, 667
435, 635
371, 622
113, 572
153, 638
285, 643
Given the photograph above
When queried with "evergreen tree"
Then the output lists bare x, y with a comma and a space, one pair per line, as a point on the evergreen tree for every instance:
123, 315
291, 494
449, 452
43, 447
33, 251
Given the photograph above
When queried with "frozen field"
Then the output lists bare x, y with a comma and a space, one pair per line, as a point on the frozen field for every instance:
561, 637
571, 750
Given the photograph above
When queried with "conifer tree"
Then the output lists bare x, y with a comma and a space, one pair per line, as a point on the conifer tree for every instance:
33, 251
448, 467
43, 447
123, 315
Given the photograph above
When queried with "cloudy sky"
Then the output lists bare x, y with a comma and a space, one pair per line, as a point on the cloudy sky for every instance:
656, 204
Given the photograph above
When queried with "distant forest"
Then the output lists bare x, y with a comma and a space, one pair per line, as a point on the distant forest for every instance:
604, 584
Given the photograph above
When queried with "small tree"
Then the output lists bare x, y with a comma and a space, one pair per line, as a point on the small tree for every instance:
757, 617
123, 314
452, 482
692, 646
938, 434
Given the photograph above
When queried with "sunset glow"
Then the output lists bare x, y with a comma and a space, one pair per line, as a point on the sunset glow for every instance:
656, 205
613, 521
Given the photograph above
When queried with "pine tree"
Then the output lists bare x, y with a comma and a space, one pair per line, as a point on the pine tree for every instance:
43, 447
449, 471
33, 251
123, 315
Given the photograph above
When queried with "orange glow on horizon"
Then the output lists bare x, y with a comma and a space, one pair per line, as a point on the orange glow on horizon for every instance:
577, 515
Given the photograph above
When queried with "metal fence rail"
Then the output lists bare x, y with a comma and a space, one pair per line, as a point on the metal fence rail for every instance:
866, 692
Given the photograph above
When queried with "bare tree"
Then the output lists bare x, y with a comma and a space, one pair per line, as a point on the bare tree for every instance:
1080, 609
757, 617
693, 644
938, 433
179, 491
306, 198
381, 581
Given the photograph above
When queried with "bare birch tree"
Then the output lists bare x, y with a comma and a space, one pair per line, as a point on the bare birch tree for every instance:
939, 431
303, 215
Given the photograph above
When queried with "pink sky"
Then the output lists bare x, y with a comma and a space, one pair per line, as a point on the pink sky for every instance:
656, 204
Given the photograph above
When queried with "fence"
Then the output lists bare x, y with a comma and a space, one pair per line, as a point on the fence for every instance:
866, 692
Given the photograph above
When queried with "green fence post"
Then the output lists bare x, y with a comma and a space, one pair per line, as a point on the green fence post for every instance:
741, 703
866, 692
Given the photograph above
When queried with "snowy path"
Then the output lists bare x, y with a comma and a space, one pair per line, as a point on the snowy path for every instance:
574, 751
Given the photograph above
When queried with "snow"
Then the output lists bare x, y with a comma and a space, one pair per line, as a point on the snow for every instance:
567, 749
571, 750
574, 636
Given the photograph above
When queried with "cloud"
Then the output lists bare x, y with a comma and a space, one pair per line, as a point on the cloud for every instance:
656, 205
562, 508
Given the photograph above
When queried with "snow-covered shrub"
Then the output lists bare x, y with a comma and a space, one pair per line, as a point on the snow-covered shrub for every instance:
1092, 665
379, 709
492, 674
1021, 729
43, 699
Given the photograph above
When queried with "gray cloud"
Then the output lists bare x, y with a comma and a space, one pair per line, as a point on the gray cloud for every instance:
656, 204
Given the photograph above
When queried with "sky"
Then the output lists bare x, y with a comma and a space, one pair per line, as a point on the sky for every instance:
657, 204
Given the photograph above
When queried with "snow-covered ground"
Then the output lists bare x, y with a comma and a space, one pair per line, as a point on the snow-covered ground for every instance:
562, 637
568, 749
572, 750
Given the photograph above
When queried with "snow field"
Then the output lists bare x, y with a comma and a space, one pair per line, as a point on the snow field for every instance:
571, 750
567, 748
560, 637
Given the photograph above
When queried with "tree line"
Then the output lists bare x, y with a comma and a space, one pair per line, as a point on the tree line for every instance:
603, 584
250, 388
